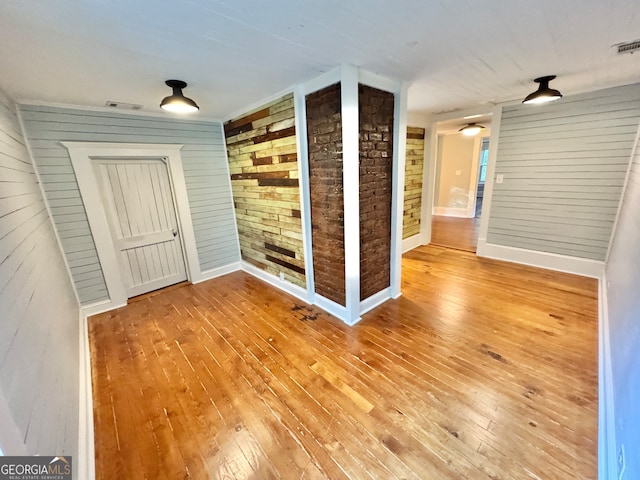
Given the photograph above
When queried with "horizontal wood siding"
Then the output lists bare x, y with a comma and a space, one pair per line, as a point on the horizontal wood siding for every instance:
205, 171
623, 302
38, 308
414, 166
263, 163
564, 166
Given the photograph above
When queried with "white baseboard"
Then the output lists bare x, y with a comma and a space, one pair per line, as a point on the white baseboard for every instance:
285, 286
86, 467
100, 307
374, 300
335, 309
607, 447
451, 212
217, 272
411, 243
551, 261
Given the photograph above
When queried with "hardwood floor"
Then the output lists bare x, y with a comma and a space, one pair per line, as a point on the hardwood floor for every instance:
480, 370
454, 232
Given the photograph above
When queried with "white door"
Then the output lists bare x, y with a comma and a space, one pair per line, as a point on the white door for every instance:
137, 198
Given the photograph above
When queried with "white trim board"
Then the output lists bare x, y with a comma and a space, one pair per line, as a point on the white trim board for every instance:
350, 104
411, 243
302, 147
375, 300
86, 447
550, 261
82, 155
287, 287
329, 306
335, 309
100, 307
219, 272
397, 188
607, 456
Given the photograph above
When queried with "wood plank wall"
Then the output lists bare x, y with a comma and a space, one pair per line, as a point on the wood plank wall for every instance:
623, 301
39, 360
564, 166
263, 163
205, 173
413, 182
376, 187
324, 134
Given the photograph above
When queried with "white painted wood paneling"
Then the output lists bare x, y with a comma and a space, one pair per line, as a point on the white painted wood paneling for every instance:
621, 331
140, 210
39, 359
564, 166
205, 172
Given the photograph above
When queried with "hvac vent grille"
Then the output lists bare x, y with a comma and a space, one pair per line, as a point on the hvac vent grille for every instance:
628, 47
122, 105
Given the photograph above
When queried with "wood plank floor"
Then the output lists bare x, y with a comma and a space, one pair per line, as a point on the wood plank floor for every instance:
481, 370
455, 232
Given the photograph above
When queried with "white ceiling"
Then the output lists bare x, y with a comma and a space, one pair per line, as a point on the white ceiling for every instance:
233, 53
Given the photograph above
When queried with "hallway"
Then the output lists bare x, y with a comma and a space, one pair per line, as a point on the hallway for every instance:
455, 232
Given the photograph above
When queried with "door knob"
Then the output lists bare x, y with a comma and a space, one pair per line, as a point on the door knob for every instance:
175, 232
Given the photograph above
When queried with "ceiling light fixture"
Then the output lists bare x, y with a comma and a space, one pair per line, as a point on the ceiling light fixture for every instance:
544, 94
471, 130
178, 103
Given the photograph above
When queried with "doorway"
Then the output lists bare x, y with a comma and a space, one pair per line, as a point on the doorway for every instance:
83, 156
483, 161
460, 172
139, 205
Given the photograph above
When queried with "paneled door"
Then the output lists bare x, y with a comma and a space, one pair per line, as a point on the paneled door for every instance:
138, 202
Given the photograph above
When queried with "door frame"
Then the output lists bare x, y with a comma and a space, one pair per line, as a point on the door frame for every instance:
82, 155
430, 159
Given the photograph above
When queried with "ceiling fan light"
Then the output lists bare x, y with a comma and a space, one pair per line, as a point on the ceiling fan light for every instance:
177, 102
471, 129
544, 94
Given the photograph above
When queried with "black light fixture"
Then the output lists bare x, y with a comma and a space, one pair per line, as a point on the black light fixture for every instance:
544, 94
471, 130
178, 103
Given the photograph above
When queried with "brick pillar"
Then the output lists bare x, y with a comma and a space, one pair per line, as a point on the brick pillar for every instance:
376, 163
324, 135
355, 202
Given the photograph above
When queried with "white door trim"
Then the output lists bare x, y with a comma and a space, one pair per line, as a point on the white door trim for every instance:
82, 155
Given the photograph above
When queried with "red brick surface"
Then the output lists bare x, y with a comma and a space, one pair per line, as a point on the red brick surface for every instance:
376, 160
324, 130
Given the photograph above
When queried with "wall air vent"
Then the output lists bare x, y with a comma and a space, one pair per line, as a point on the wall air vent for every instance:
122, 105
628, 47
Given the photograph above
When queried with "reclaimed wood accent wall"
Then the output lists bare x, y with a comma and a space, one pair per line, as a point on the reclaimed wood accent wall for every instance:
414, 166
324, 132
263, 164
376, 162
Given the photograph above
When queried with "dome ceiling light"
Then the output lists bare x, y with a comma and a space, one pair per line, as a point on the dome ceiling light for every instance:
544, 94
471, 130
177, 102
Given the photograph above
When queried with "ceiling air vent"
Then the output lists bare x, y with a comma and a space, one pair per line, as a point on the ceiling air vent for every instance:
122, 105
628, 47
